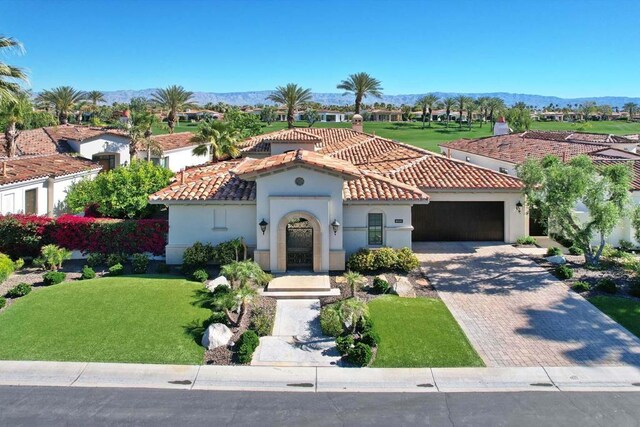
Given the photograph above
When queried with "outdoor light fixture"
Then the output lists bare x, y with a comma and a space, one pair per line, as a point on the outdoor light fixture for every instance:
335, 225
263, 225
519, 206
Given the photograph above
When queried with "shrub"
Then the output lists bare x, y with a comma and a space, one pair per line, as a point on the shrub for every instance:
228, 252
88, 273
116, 270
581, 287
563, 272
38, 262
246, 345
19, 290
625, 245
370, 338
526, 240
3, 302
553, 251
196, 257
407, 260
344, 344
217, 317
23, 235
380, 286
95, 259
54, 256
139, 263
53, 277
634, 288
7, 267
330, 322
574, 250
360, 354
361, 261
384, 259
200, 275
19, 263
262, 321
163, 268
116, 258
364, 325
607, 286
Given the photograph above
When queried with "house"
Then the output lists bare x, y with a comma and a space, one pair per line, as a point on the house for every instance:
307, 198
385, 115
176, 151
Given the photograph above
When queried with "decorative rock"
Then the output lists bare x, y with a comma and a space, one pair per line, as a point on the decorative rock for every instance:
403, 288
557, 259
341, 279
383, 277
422, 282
216, 335
219, 281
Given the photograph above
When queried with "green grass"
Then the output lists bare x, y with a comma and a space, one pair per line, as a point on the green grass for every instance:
137, 319
429, 138
419, 332
623, 310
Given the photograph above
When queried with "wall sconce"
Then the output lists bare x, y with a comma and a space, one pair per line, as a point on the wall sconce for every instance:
263, 225
335, 225
519, 206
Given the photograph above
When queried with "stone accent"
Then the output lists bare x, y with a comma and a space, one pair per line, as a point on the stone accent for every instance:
263, 258
337, 260
216, 335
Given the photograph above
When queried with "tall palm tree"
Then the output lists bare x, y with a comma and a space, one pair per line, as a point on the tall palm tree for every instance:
461, 103
448, 105
426, 104
63, 99
10, 75
172, 98
630, 108
13, 112
361, 85
495, 107
292, 97
216, 138
140, 134
471, 107
95, 96
483, 106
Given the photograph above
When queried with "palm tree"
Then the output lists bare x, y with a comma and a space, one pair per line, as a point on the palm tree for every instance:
9, 74
471, 107
630, 108
426, 104
352, 311
292, 97
461, 103
495, 106
95, 96
483, 106
448, 104
353, 280
245, 295
13, 111
63, 99
217, 138
361, 85
173, 99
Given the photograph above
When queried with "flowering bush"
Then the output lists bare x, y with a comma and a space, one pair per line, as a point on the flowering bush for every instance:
23, 235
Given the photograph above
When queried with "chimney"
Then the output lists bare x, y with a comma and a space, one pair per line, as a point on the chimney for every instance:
182, 176
501, 127
4, 169
356, 123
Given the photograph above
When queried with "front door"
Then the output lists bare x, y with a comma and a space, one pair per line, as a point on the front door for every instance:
299, 245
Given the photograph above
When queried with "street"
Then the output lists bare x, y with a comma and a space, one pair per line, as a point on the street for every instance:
53, 406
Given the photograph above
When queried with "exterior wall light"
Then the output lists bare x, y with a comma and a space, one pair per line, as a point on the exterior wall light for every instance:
335, 225
519, 206
263, 225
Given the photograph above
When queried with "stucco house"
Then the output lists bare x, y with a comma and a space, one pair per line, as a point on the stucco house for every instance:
307, 198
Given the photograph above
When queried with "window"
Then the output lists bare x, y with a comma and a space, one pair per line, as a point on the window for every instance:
374, 229
164, 161
108, 161
31, 202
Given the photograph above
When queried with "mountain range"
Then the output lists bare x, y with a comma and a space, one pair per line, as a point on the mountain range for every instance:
259, 97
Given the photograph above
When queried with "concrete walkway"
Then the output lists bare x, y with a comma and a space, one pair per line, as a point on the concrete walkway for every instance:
297, 338
516, 314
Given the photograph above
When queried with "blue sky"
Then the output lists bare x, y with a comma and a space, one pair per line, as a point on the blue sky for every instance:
566, 48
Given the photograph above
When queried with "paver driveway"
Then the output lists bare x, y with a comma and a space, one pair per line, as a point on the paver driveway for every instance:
517, 314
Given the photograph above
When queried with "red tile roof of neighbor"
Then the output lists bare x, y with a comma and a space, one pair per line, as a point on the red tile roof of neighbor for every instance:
18, 169
377, 169
635, 169
173, 141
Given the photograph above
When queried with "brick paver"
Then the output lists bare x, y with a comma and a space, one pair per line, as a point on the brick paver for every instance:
517, 314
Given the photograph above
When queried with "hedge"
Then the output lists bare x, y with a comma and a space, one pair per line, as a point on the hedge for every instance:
24, 235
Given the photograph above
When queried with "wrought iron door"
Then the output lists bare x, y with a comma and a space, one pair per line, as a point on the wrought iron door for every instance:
299, 246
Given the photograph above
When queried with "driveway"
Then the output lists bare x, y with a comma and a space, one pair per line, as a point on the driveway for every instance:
516, 314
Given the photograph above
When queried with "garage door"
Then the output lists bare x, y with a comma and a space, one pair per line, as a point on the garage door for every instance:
451, 221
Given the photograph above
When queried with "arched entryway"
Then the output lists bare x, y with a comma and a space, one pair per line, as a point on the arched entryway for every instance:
299, 242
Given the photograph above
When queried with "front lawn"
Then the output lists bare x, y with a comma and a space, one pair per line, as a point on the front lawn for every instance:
623, 310
419, 332
137, 319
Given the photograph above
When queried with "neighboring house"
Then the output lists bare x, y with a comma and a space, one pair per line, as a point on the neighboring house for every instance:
307, 198
503, 153
325, 116
176, 151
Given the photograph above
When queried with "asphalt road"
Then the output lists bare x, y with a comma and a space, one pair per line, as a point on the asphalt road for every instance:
50, 406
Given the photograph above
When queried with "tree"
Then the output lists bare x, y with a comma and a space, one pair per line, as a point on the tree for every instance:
268, 114
173, 98
361, 85
495, 107
95, 96
63, 99
483, 106
471, 107
292, 97
216, 138
13, 113
353, 280
426, 104
588, 109
519, 119
10, 75
311, 116
555, 189
461, 103
351, 311
630, 108
448, 104
120, 193
407, 112
245, 124
245, 295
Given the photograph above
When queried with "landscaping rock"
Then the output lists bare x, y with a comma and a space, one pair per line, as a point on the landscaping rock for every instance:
219, 281
403, 288
341, 279
556, 260
216, 335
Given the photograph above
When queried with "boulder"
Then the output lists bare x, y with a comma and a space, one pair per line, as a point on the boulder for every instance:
556, 260
218, 281
216, 335
404, 288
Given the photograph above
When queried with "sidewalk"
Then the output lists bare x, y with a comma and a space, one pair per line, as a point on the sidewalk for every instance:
319, 379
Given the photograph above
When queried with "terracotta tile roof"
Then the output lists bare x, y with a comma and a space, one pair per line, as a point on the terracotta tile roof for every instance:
635, 168
26, 168
174, 141
80, 133
294, 135
585, 137
252, 167
327, 136
376, 187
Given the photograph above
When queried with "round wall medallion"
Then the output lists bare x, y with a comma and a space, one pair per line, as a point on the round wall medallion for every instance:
299, 180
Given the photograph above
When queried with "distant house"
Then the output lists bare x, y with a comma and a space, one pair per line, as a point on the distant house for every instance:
177, 151
385, 116
325, 116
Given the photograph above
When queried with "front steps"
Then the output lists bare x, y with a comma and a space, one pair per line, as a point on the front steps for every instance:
300, 286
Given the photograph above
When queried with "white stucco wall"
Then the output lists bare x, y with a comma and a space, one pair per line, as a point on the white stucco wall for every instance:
477, 160
61, 186
104, 144
12, 196
178, 159
395, 234
208, 223
623, 231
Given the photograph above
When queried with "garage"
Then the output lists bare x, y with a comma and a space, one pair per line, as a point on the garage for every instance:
458, 221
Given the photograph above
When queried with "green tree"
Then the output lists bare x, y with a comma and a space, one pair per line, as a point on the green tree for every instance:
482, 104
268, 114
519, 119
555, 189
311, 116
462, 102
352, 311
10, 76
354, 279
246, 124
426, 104
63, 99
95, 96
495, 107
630, 108
173, 99
361, 85
13, 113
471, 107
216, 138
292, 97
448, 104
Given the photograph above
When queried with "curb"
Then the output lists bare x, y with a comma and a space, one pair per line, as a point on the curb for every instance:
319, 379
